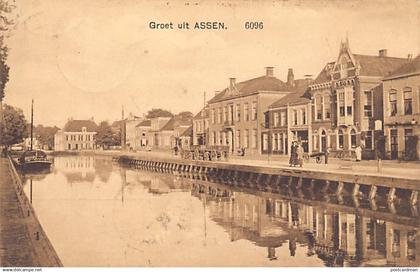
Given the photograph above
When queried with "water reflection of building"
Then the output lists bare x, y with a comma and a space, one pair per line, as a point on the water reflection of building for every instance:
336, 237
76, 168
163, 184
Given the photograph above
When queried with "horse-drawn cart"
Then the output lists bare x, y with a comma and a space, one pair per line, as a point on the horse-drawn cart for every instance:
206, 153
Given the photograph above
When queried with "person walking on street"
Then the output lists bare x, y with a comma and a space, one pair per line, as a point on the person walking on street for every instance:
292, 160
327, 153
299, 153
358, 151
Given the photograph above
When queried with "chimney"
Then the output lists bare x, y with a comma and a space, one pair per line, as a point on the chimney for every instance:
308, 78
232, 82
410, 57
269, 71
290, 77
383, 53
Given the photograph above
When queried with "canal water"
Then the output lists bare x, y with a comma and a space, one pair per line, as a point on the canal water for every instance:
98, 213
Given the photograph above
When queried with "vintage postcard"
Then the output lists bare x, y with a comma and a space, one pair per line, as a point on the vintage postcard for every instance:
281, 133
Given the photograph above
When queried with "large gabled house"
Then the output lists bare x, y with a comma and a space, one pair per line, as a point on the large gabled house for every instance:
76, 135
237, 113
347, 102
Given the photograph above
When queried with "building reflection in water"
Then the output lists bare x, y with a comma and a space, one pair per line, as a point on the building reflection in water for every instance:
84, 168
338, 238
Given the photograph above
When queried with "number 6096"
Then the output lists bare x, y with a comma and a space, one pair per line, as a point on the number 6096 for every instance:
254, 25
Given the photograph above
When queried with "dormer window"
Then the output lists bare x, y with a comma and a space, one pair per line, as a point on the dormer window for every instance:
83, 129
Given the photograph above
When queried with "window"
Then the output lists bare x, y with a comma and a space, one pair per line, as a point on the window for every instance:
353, 138
349, 110
225, 114
315, 141
295, 117
303, 112
341, 103
214, 138
368, 104
340, 138
282, 118
213, 116
238, 112
275, 141
254, 138
265, 141
318, 107
238, 139
408, 101
276, 119
368, 140
254, 111
393, 102
219, 115
246, 111
327, 107
246, 139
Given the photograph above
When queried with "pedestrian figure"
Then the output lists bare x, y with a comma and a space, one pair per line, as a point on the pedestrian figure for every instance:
326, 154
293, 155
176, 150
358, 151
299, 152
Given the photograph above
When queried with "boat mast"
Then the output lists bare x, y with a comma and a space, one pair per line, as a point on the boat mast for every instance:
32, 122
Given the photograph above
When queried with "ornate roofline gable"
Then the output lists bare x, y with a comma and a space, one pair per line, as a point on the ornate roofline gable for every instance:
344, 50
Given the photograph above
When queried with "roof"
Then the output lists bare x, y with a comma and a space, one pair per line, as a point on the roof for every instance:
369, 66
188, 132
145, 123
169, 125
296, 97
77, 125
412, 67
264, 83
203, 113
378, 66
323, 75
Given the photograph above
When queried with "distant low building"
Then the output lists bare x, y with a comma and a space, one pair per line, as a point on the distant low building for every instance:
142, 134
76, 135
130, 131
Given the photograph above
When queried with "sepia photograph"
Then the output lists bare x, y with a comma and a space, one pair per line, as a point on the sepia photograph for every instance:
209, 134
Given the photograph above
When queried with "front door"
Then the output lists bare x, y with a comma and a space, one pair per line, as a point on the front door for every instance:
394, 144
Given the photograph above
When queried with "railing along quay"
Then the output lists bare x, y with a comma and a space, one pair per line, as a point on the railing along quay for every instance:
260, 176
44, 251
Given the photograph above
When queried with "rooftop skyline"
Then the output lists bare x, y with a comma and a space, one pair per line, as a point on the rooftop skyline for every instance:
79, 60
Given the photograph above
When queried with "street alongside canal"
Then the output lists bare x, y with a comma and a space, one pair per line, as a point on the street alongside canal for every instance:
22, 240
98, 213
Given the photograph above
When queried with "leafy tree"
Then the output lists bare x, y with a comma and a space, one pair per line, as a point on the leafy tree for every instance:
45, 135
105, 136
6, 10
14, 127
158, 113
185, 115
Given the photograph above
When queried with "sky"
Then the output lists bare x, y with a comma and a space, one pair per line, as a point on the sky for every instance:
82, 59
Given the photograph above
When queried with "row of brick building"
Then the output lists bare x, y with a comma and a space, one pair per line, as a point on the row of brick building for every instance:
356, 100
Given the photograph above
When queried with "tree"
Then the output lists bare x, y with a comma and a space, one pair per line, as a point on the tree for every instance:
105, 137
45, 135
5, 23
185, 115
158, 113
14, 128
6, 10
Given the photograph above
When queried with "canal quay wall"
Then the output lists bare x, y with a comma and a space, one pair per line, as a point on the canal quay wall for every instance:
23, 241
260, 176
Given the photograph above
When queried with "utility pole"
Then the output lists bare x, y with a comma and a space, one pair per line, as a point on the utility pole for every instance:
122, 129
32, 122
